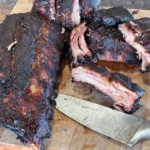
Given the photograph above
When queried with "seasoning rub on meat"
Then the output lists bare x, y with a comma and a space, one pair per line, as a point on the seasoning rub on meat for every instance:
28, 75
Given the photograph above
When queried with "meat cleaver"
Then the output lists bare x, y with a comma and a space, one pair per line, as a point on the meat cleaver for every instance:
111, 123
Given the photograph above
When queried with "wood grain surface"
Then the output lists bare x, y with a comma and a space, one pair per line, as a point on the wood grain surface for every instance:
66, 133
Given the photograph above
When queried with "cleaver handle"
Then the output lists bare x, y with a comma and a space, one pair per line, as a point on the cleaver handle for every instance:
143, 133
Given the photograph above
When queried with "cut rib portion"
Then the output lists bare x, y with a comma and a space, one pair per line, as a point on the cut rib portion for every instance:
137, 34
88, 7
112, 16
108, 44
103, 43
29, 73
120, 88
79, 50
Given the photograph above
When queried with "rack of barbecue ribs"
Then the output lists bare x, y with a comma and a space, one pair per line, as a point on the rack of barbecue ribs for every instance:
31, 49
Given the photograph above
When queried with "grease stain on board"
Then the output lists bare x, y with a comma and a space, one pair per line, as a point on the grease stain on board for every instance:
88, 146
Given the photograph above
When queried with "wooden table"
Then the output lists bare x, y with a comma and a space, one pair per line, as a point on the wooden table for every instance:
66, 133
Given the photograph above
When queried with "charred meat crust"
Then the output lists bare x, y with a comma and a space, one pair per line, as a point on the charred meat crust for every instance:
112, 16
120, 88
29, 75
65, 12
5, 61
108, 44
101, 70
46, 8
143, 23
88, 7
126, 82
68, 13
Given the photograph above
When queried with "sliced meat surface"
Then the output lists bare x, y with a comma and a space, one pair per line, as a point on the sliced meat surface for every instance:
137, 34
30, 63
112, 16
80, 54
88, 7
119, 87
107, 44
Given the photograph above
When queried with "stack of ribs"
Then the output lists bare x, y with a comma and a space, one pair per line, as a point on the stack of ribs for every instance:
32, 46
101, 40
104, 40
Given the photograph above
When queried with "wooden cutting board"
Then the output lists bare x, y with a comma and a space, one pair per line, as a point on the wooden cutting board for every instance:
66, 133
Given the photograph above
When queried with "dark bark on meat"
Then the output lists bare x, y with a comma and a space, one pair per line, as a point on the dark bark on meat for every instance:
108, 44
29, 75
46, 8
143, 23
137, 34
68, 12
65, 12
88, 7
119, 87
6, 39
112, 16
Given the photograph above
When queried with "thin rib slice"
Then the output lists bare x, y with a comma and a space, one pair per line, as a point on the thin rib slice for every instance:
119, 87
79, 50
